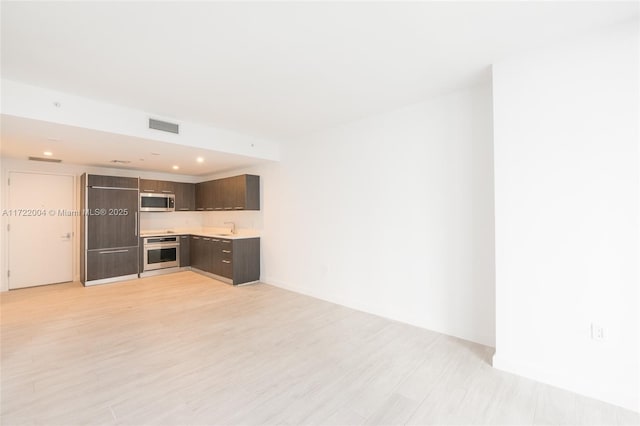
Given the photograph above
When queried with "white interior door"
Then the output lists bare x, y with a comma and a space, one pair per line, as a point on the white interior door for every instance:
40, 238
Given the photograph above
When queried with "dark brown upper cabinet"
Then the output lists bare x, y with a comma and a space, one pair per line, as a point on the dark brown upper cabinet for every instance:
185, 196
238, 193
204, 196
233, 193
184, 192
157, 186
112, 181
245, 190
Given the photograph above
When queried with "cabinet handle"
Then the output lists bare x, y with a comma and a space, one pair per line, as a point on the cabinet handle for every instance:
196, 238
215, 241
228, 208
226, 241
239, 208
207, 239
218, 208
148, 190
226, 251
183, 209
184, 236
209, 208
226, 261
168, 192
199, 208
113, 251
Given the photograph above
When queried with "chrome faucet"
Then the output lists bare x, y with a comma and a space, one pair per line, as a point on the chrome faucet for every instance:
233, 227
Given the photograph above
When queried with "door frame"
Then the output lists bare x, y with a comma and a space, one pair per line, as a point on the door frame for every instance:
75, 263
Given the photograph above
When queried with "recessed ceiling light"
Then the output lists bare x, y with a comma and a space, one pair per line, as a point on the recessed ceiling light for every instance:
200, 160
48, 153
155, 153
175, 167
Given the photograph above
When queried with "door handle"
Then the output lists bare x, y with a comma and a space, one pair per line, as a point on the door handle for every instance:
66, 236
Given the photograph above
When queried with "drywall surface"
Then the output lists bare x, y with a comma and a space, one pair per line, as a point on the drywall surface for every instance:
566, 206
391, 215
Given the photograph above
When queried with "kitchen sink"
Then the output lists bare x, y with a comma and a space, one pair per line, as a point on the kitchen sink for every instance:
223, 235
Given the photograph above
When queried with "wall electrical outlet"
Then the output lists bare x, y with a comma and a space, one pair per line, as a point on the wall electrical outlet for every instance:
597, 332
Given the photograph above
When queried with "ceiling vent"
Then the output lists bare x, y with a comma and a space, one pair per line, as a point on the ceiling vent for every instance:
164, 126
48, 160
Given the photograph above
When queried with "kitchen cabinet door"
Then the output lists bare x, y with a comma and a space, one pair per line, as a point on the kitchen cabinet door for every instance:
204, 196
200, 196
157, 186
242, 192
216, 256
201, 252
113, 218
225, 259
185, 251
245, 260
166, 187
230, 188
217, 194
111, 263
148, 185
196, 249
112, 181
185, 196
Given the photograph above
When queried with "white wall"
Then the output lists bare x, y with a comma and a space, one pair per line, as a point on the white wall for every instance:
567, 214
170, 220
392, 215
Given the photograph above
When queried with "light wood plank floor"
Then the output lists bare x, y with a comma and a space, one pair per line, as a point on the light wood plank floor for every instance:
183, 349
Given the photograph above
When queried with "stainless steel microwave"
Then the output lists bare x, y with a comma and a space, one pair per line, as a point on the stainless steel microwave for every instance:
157, 202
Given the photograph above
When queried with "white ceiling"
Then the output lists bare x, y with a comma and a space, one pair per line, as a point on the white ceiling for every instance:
23, 137
277, 69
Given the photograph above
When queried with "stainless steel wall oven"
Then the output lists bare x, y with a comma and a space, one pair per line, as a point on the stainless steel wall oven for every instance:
161, 252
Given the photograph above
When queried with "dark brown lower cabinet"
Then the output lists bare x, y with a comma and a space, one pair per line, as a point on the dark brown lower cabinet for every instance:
196, 249
207, 256
221, 258
246, 260
201, 253
185, 252
110, 263
237, 260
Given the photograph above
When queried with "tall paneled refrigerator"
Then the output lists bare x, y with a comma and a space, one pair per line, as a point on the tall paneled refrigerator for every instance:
110, 228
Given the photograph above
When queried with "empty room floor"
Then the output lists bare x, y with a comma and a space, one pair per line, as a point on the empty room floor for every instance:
184, 349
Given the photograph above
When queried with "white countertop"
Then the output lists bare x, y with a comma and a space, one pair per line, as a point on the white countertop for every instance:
202, 232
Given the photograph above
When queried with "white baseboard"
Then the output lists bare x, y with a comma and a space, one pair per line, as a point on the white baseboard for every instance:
561, 380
